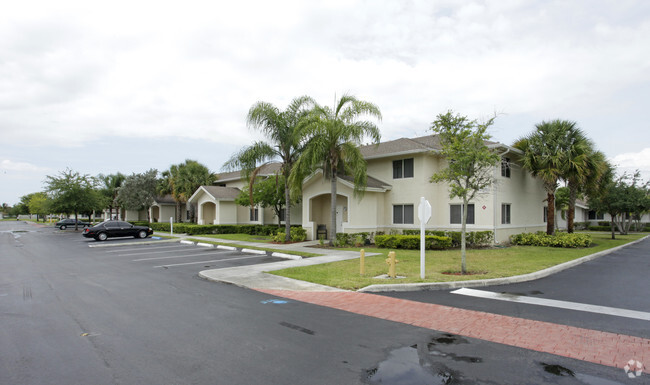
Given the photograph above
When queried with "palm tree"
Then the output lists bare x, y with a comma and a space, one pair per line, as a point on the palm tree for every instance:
110, 188
544, 157
182, 180
192, 176
170, 184
333, 144
282, 131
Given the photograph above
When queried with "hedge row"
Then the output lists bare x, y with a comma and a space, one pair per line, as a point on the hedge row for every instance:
540, 238
472, 238
353, 239
194, 229
412, 242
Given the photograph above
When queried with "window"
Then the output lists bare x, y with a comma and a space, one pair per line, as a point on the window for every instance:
505, 213
253, 214
545, 214
402, 214
283, 213
594, 216
505, 167
403, 168
456, 214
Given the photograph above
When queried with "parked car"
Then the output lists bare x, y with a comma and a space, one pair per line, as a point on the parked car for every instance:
110, 229
65, 223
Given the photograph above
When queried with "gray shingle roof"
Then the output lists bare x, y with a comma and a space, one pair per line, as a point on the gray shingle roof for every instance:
371, 182
405, 146
169, 199
220, 192
267, 169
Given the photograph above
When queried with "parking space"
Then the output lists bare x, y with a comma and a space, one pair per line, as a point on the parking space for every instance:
187, 257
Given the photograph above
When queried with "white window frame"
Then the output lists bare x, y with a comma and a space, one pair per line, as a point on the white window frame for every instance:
506, 213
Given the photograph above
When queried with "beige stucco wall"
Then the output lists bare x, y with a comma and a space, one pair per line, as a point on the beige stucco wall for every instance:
374, 212
226, 213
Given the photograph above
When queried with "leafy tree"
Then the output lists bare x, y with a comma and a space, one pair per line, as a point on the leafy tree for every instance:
182, 180
6, 209
334, 136
22, 208
39, 204
138, 191
267, 192
284, 142
72, 192
111, 184
624, 199
470, 163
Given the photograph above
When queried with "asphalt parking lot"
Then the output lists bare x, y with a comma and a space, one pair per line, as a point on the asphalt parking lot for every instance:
157, 253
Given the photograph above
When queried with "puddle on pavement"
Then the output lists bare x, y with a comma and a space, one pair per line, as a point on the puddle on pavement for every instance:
558, 370
420, 364
522, 294
586, 379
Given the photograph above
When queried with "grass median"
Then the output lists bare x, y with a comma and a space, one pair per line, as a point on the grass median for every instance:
440, 265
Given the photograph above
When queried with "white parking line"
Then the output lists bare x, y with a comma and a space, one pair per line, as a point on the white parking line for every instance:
214, 260
173, 256
555, 303
141, 248
150, 252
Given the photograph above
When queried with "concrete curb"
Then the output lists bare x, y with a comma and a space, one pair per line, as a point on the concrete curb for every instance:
286, 256
494, 281
184, 242
224, 247
205, 244
253, 251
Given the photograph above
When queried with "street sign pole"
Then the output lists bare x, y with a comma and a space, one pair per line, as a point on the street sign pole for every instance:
424, 214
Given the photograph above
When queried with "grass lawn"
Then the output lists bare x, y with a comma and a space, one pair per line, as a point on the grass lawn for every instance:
241, 237
491, 263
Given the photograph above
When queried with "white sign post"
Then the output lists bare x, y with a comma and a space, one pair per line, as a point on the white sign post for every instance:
171, 225
424, 214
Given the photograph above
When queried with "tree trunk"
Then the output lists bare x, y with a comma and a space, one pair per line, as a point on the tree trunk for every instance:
76, 225
333, 209
287, 212
463, 251
178, 211
612, 226
573, 195
550, 217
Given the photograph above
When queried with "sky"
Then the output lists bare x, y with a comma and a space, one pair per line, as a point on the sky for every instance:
126, 86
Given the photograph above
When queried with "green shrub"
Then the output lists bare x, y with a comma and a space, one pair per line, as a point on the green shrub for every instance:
412, 242
298, 234
600, 228
280, 237
472, 238
435, 242
342, 239
540, 238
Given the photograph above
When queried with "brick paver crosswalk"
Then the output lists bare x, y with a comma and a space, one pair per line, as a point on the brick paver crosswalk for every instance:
583, 344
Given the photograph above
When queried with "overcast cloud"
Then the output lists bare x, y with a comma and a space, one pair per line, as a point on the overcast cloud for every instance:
132, 85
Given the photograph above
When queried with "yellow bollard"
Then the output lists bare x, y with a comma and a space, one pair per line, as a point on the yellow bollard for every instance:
362, 268
391, 261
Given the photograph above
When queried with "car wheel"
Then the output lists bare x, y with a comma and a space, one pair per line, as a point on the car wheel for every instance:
102, 236
142, 234
63, 227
